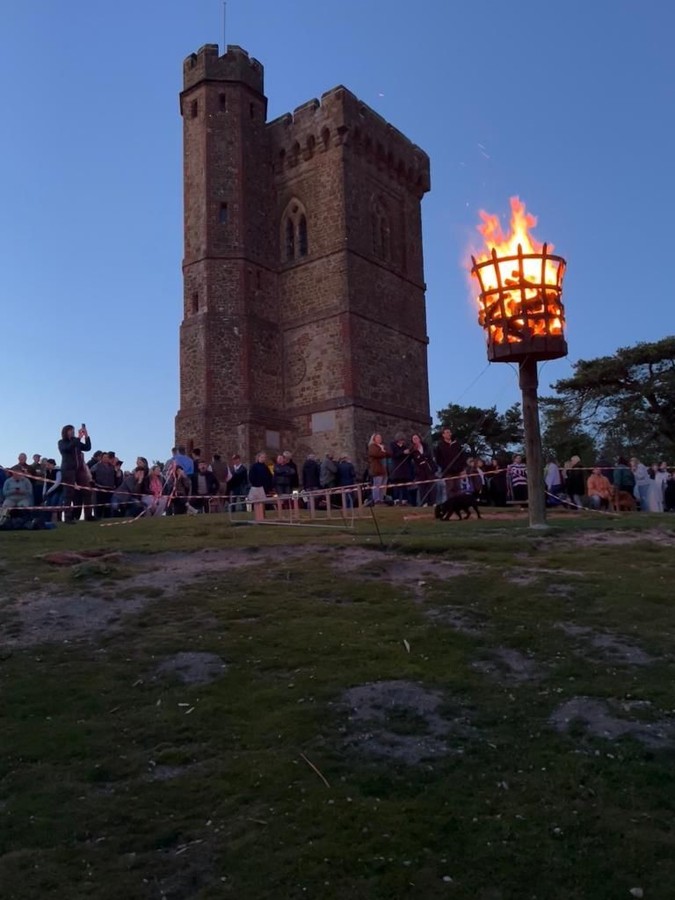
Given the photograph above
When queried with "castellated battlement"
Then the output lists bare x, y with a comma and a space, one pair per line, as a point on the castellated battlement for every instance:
304, 322
235, 65
340, 119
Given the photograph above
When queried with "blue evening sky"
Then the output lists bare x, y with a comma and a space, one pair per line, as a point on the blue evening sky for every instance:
570, 105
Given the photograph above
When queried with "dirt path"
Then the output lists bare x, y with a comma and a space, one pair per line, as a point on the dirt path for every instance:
57, 615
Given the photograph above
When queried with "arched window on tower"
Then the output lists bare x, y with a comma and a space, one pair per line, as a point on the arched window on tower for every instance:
375, 233
380, 231
385, 242
294, 232
302, 236
290, 240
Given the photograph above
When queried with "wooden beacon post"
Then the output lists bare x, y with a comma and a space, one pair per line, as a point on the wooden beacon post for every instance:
521, 310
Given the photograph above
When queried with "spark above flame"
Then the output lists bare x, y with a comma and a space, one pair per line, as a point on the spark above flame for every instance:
520, 282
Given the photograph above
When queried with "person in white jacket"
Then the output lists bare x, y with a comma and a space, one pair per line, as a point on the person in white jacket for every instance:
657, 487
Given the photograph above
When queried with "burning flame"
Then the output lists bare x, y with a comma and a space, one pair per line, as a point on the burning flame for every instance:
507, 244
521, 288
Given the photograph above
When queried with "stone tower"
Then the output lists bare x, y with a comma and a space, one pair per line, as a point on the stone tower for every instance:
304, 321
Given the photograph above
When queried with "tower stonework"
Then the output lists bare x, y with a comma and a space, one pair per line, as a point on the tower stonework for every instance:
304, 323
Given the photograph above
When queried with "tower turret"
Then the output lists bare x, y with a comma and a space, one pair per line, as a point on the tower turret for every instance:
229, 343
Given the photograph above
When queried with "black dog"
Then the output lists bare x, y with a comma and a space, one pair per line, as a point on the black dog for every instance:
456, 504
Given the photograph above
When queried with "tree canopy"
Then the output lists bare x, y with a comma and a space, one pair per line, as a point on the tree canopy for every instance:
626, 402
485, 432
562, 436
615, 405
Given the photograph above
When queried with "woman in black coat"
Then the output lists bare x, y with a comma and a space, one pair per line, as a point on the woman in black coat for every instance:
575, 485
424, 468
283, 477
75, 476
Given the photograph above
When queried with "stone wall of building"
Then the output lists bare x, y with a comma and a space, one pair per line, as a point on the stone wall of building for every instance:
304, 316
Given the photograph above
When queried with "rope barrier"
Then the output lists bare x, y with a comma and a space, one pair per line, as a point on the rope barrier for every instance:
244, 499
220, 498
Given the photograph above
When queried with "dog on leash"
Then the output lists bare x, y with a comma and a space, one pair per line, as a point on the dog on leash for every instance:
456, 504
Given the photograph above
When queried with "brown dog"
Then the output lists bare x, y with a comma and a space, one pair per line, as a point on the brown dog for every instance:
623, 501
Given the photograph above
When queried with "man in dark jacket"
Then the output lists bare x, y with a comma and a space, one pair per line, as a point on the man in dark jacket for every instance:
75, 475
37, 473
346, 476
261, 484
105, 479
129, 494
328, 471
221, 470
204, 486
310, 474
289, 461
283, 476
237, 486
95, 459
259, 476
401, 470
451, 460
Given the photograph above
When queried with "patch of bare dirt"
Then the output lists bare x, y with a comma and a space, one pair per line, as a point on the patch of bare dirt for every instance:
412, 572
172, 571
664, 536
163, 772
192, 667
56, 616
402, 720
522, 578
462, 620
507, 665
50, 617
612, 648
603, 719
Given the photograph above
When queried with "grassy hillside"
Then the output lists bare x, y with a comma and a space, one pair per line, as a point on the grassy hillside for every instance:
403, 709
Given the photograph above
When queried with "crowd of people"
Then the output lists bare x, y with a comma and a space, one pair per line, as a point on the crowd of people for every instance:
649, 488
403, 471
